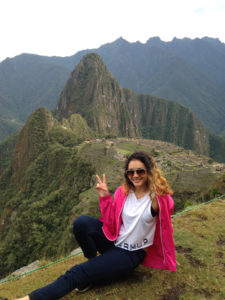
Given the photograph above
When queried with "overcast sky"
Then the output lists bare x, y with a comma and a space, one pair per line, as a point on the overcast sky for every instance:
63, 27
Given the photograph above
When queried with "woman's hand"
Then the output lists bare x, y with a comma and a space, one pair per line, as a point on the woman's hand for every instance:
102, 186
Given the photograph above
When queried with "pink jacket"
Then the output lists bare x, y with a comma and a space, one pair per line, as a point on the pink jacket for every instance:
159, 255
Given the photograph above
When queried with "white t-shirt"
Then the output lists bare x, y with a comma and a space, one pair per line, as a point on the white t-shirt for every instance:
138, 228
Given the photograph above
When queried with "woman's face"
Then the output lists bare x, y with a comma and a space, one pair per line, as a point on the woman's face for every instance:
137, 173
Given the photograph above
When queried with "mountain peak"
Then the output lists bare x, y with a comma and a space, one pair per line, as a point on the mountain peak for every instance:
79, 90
91, 63
91, 58
32, 140
154, 41
121, 40
94, 93
213, 41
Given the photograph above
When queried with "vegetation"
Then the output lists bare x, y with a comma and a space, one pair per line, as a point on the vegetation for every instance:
46, 170
6, 151
217, 147
200, 248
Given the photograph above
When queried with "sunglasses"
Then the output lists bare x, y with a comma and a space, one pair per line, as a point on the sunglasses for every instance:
140, 172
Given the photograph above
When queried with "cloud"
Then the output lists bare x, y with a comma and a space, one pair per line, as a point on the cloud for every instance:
56, 27
200, 10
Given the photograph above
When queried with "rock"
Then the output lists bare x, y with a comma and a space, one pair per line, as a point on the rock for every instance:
34, 265
76, 251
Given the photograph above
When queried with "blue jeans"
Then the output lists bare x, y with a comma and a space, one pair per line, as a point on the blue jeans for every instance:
112, 263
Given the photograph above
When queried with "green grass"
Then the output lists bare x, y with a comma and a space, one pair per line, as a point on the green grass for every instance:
124, 152
200, 246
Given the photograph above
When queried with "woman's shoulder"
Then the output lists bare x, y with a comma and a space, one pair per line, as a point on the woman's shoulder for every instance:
167, 202
120, 192
165, 196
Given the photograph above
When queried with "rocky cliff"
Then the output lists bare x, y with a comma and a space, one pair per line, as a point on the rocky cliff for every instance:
110, 109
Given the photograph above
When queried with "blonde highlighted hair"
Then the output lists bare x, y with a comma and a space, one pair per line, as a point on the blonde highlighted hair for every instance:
156, 182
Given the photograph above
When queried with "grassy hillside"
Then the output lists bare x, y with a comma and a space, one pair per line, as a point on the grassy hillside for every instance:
200, 247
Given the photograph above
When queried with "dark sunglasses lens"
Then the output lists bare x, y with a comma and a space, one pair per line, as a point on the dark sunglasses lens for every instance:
130, 173
140, 172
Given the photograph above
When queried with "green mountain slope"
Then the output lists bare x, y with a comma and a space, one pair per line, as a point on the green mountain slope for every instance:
41, 184
6, 151
26, 83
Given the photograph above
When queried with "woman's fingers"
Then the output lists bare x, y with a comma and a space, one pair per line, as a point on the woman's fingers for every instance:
104, 179
98, 178
102, 186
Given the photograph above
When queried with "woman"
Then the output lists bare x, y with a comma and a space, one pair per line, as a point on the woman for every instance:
135, 228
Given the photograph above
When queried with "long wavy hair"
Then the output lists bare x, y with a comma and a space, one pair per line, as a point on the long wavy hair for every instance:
156, 183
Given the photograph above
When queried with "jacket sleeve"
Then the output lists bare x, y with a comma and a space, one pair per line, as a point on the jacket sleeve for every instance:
106, 208
108, 213
170, 204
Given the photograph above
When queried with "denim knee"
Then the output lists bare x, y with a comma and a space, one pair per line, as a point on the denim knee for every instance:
80, 223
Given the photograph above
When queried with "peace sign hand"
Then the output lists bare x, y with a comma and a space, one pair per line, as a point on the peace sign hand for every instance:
102, 186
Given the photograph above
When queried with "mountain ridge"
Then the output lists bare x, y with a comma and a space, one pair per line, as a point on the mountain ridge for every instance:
131, 65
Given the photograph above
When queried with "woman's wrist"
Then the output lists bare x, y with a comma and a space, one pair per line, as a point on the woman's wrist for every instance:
104, 195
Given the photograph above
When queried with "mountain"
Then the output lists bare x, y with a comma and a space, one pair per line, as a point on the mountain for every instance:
26, 83
40, 184
110, 109
47, 170
92, 92
190, 72
222, 134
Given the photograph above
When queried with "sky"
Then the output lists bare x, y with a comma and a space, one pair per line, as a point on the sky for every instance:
64, 27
